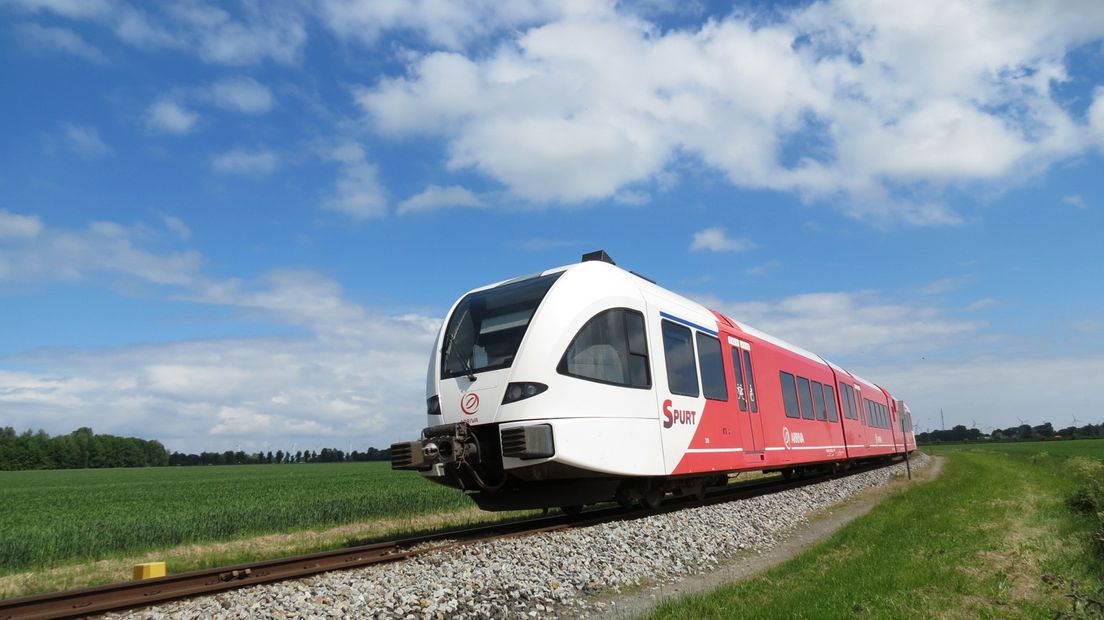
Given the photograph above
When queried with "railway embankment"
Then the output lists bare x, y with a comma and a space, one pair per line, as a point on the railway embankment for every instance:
557, 574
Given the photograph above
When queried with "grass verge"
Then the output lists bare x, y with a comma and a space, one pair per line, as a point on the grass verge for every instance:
993, 537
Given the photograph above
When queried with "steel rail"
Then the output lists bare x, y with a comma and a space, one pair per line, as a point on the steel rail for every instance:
132, 594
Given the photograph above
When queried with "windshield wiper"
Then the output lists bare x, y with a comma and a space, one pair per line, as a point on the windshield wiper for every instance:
450, 339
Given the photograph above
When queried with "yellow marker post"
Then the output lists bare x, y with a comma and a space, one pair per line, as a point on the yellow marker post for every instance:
149, 570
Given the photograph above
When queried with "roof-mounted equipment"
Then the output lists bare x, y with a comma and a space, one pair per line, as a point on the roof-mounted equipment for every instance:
599, 255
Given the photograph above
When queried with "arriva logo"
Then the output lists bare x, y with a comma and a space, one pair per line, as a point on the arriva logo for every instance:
469, 404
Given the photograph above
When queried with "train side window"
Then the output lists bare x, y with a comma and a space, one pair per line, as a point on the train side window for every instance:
789, 394
804, 396
710, 358
871, 417
830, 400
639, 370
750, 382
741, 393
678, 349
609, 349
851, 402
818, 401
843, 399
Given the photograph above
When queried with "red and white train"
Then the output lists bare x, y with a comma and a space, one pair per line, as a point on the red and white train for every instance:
588, 383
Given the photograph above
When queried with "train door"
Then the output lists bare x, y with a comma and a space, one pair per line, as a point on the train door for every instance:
751, 422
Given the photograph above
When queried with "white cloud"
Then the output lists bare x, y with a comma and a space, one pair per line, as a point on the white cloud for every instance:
167, 116
13, 225
354, 372
177, 227
716, 239
213, 394
981, 304
85, 141
73, 9
250, 163
357, 192
31, 251
53, 39
1088, 326
446, 24
435, 197
859, 100
995, 392
1076, 201
857, 325
242, 94
1096, 115
944, 285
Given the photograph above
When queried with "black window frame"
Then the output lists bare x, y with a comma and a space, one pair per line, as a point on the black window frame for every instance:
783, 378
664, 325
807, 392
719, 366
820, 410
741, 389
751, 381
830, 400
634, 348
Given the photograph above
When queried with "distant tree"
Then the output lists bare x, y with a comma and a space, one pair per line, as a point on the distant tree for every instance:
279, 457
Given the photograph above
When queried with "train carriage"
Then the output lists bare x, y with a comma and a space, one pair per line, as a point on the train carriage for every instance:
589, 383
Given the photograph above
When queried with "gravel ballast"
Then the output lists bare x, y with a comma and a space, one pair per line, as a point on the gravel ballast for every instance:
543, 576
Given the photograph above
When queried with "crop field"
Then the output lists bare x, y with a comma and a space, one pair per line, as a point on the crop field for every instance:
1092, 448
994, 536
49, 518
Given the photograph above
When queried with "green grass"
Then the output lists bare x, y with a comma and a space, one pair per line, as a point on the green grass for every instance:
1092, 448
54, 517
993, 537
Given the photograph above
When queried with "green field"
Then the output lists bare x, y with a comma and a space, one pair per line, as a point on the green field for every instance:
1093, 448
993, 537
54, 517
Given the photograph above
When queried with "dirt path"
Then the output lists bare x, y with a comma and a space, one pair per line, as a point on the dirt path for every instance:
821, 525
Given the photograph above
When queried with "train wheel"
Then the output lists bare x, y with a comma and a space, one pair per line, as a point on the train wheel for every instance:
653, 497
699, 492
571, 511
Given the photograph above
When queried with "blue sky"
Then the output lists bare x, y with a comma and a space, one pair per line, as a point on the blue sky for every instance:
239, 224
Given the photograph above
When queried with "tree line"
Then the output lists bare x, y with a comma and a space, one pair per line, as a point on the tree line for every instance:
84, 449
80, 449
231, 457
1023, 432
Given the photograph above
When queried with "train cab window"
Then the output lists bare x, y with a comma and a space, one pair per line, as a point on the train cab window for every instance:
789, 394
818, 401
830, 401
750, 381
610, 348
741, 391
805, 398
711, 360
678, 351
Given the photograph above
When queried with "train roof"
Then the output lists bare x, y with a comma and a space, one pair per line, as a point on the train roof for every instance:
592, 259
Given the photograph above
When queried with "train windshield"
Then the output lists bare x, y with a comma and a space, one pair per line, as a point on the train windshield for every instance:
486, 328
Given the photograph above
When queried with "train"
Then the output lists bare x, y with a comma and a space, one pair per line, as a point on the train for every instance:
589, 383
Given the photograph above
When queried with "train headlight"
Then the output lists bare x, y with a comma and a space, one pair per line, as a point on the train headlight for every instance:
521, 391
433, 405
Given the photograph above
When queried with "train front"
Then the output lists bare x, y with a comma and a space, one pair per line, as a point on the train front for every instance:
467, 383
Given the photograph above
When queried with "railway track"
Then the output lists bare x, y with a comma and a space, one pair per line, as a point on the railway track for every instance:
134, 594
